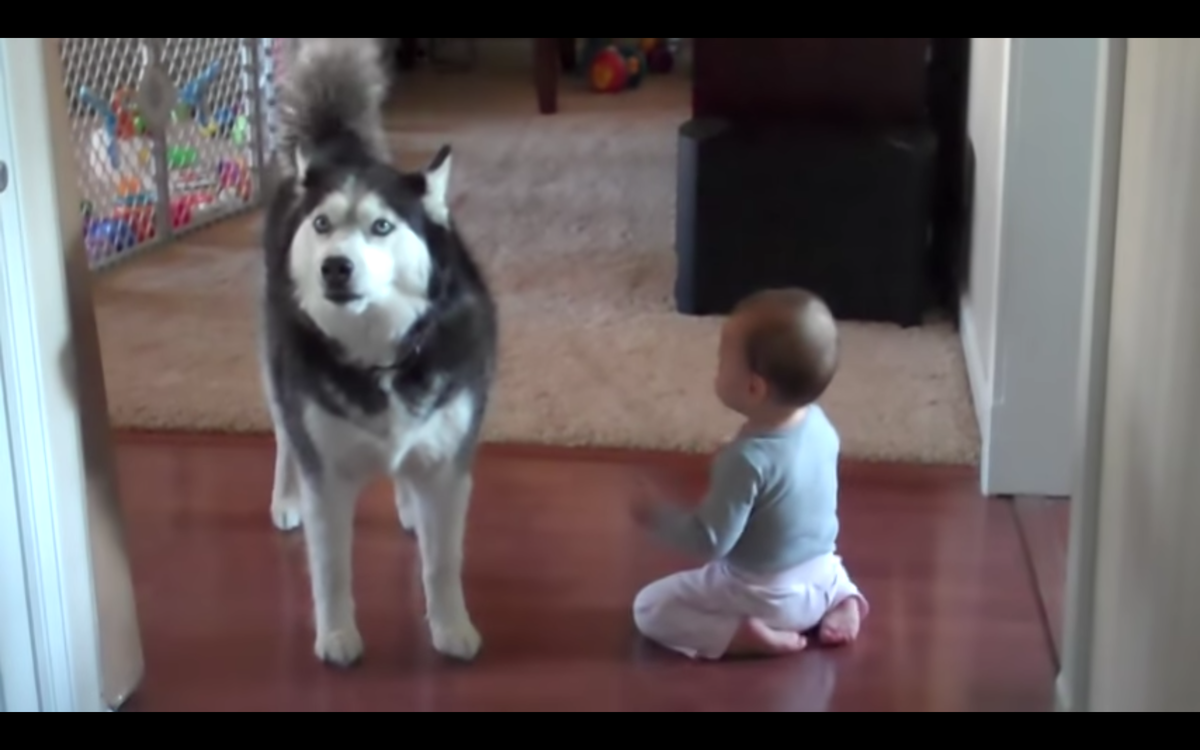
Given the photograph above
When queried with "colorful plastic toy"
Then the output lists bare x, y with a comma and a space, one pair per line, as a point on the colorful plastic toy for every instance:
591, 47
129, 121
107, 236
235, 178
144, 198
609, 72
140, 219
184, 207
635, 65
225, 120
182, 157
193, 181
194, 94
127, 185
119, 118
234, 175
241, 131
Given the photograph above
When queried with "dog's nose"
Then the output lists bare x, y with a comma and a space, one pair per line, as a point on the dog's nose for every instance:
337, 270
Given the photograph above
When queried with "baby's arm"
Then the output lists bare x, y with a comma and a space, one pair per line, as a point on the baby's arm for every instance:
711, 531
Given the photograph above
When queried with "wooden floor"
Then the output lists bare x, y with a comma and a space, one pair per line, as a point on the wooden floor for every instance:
1045, 526
553, 565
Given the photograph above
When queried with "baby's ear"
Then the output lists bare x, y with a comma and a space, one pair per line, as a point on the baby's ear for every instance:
437, 187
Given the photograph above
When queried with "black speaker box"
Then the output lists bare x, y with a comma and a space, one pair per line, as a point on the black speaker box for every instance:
844, 213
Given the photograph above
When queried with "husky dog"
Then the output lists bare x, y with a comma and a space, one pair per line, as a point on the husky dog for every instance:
379, 342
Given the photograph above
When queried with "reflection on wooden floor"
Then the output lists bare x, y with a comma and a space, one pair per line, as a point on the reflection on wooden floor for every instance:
553, 565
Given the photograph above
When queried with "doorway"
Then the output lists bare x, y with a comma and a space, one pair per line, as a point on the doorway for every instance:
76, 647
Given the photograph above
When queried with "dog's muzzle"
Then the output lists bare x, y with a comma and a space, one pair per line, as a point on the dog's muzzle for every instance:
337, 274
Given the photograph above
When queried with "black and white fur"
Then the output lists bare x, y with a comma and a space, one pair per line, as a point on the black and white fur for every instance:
379, 342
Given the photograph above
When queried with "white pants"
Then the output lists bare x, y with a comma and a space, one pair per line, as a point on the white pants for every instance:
698, 613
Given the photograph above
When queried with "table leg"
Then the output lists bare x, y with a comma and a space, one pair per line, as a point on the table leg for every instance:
546, 63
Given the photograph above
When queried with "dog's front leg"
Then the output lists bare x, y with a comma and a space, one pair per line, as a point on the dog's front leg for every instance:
328, 505
285, 495
442, 498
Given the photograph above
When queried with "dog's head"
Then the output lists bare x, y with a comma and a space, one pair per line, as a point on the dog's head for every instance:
364, 252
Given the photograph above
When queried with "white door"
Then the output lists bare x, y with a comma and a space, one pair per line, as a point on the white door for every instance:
1131, 640
69, 639
18, 676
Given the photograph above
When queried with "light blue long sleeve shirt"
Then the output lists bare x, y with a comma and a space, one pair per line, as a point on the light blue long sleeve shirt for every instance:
771, 504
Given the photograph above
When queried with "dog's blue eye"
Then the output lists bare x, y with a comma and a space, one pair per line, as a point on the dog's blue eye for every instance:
382, 228
322, 224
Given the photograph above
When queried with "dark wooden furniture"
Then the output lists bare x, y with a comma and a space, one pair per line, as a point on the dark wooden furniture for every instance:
547, 62
881, 122
551, 56
878, 80
841, 211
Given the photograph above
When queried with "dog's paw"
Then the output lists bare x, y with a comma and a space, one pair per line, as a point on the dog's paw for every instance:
340, 648
456, 638
285, 515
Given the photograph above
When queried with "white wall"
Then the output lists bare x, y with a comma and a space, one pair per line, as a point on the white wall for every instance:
18, 670
1093, 383
987, 123
1140, 632
1034, 126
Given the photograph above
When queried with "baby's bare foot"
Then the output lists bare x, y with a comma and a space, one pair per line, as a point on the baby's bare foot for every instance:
755, 639
843, 623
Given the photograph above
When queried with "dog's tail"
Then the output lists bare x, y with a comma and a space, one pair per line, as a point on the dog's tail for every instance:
330, 88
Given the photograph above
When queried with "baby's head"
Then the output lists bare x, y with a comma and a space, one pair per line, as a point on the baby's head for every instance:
779, 352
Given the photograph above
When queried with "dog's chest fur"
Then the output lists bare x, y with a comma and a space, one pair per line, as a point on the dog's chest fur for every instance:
355, 443
369, 338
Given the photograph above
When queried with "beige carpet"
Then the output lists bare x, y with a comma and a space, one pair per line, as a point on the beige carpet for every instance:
573, 218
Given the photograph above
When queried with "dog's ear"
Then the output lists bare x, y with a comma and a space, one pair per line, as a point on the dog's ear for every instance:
437, 187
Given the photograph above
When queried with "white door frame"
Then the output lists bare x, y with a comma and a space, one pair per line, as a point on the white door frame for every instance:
1134, 604
1035, 125
1074, 681
51, 658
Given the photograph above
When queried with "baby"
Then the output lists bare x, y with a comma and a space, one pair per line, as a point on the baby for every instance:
769, 523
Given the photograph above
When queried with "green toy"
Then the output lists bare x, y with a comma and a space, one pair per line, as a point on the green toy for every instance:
182, 157
241, 130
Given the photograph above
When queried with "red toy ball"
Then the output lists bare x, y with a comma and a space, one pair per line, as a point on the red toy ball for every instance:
609, 72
